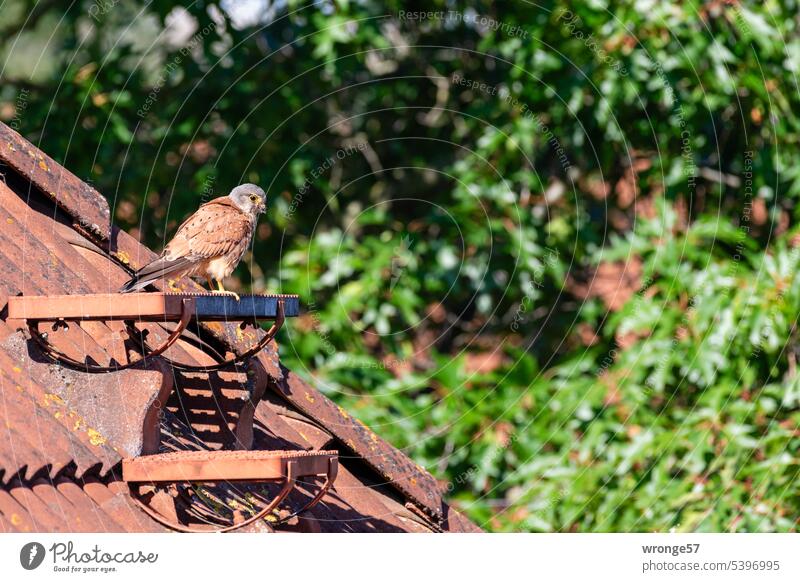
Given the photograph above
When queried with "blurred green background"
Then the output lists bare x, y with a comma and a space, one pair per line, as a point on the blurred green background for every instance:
549, 251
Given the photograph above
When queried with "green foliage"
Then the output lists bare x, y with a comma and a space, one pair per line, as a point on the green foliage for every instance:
442, 194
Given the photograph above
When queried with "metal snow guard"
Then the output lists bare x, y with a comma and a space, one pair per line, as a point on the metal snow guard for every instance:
288, 467
150, 307
180, 308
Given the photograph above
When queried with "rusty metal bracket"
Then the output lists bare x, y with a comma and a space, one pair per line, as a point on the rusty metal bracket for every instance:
269, 335
230, 466
187, 310
330, 477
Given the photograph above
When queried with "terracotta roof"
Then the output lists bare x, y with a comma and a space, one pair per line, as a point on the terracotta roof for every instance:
65, 432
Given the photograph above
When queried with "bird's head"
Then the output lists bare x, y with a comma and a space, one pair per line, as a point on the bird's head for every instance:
249, 198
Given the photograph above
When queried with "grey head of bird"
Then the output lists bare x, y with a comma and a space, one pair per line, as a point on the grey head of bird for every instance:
250, 199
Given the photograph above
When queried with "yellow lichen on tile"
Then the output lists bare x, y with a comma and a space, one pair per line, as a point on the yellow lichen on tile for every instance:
343, 412
95, 437
53, 399
43, 166
17, 369
124, 257
15, 519
209, 498
370, 432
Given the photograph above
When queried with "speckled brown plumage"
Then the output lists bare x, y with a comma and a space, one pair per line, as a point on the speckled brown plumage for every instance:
213, 239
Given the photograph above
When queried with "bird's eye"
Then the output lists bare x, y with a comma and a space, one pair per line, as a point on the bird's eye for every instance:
253, 198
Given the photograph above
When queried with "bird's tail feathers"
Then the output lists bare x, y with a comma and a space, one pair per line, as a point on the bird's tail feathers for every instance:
159, 268
132, 285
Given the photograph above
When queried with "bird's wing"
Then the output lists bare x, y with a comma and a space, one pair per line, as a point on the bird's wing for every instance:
217, 229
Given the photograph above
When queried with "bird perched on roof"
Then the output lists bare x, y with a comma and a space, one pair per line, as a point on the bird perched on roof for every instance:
210, 243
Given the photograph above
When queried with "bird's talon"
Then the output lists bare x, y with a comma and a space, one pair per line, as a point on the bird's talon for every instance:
226, 292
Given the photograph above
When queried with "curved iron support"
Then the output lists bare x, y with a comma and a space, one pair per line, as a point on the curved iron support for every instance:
269, 508
333, 470
243, 357
187, 310
292, 472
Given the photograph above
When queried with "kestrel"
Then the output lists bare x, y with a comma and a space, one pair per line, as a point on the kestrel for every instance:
210, 243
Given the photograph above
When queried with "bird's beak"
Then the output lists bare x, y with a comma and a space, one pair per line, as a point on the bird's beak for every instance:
262, 208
